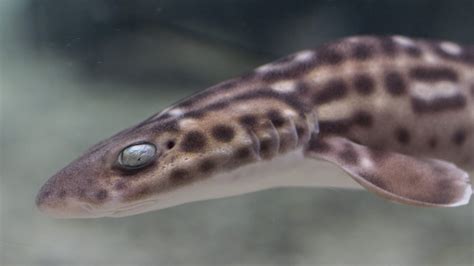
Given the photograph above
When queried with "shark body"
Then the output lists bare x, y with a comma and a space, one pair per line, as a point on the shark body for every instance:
395, 113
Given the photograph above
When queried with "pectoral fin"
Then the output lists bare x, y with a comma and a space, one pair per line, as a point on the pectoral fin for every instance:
395, 176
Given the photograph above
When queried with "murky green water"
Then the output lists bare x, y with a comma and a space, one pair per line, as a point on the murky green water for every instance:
75, 72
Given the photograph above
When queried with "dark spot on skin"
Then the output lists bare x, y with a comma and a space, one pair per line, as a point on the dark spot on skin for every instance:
459, 137
364, 84
62, 194
333, 90
267, 93
265, 146
242, 153
101, 195
216, 106
294, 101
349, 155
207, 166
193, 141
402, 135
472, 90
335, 126
196, 114
413, 51
248, 120
434, 74
362, 51
389, 47
329, 56
394, 83
223, 133
433, 142
276, 118
363, 119
438, 104
301, 131
317, 144
179, 174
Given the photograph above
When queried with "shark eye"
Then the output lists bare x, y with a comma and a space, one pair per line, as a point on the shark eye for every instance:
137, 156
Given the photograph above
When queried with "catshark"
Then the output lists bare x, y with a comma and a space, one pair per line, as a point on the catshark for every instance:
394, 113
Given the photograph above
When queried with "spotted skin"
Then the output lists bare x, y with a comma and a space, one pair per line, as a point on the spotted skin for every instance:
407, 100
397, 177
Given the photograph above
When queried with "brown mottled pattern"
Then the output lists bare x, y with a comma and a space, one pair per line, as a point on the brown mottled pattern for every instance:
223, 133
332, 91
396, 176
194, 141
395, 83
433, 74
402, 135
364, 84
362, 51
349, 155
341, 126
459, 137
361, 88
363, 119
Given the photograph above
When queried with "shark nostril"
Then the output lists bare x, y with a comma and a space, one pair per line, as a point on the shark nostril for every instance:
170, 144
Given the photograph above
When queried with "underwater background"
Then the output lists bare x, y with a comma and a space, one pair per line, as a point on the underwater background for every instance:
75, 72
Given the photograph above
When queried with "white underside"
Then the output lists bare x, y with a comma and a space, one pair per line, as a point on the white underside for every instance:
288, 170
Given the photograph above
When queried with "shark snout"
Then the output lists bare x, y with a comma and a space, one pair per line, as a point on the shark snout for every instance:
58, 201
49, 204
69, 194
